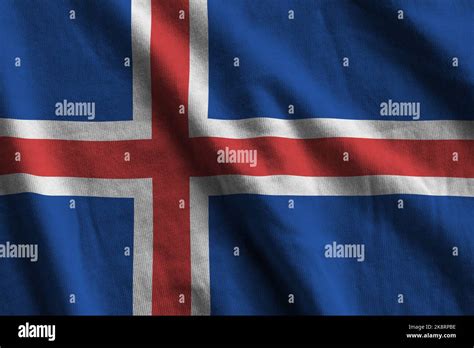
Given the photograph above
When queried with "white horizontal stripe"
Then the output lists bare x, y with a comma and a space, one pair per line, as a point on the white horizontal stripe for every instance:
325, 128
369, 185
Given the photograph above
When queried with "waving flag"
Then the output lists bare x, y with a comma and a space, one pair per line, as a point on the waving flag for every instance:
215, 157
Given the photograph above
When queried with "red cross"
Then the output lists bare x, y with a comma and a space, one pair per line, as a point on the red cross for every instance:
171, 157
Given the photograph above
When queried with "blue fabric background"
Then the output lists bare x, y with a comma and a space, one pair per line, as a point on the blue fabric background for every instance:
407, 251
78, 60
299, 61
81, 251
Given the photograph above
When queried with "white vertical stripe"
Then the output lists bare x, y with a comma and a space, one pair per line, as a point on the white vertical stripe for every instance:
200, 277
141, 38
143, 247
199, 67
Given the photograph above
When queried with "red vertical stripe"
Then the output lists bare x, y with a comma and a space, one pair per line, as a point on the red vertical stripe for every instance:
170, 71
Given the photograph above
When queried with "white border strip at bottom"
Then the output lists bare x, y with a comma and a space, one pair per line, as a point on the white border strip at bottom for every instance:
138, 189
203, 187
